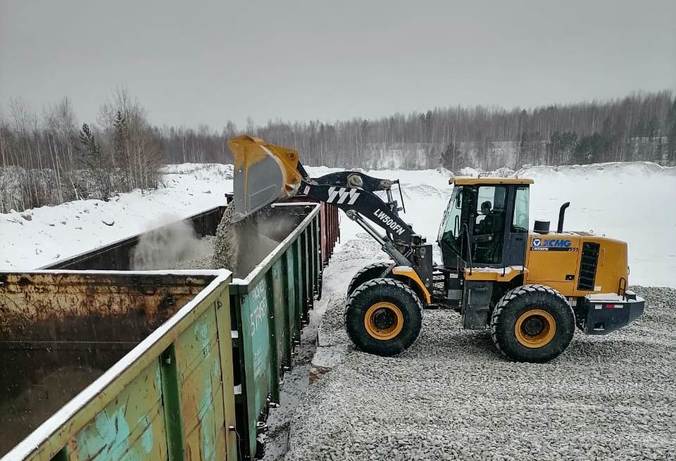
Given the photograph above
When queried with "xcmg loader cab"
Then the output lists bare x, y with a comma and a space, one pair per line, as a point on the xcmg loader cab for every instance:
485, 223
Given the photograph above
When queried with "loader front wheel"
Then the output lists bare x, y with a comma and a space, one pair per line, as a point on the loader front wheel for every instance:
383, 317
532, 323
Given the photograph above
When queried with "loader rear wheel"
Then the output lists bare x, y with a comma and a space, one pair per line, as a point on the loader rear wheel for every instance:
370, 272
532, 323
383, 317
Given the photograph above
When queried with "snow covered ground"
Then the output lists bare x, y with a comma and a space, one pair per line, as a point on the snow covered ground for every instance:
37, 237
635, 202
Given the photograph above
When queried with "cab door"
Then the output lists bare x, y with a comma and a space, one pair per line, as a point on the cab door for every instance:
449, 234
517, 227
487, 224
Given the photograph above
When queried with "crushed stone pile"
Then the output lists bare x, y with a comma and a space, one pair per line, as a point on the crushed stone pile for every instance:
203, 261
452, 396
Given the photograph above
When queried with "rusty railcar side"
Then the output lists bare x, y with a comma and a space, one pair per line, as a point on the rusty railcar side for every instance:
168, 395
330, 231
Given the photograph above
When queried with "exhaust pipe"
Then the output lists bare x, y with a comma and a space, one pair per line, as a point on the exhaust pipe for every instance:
562, 214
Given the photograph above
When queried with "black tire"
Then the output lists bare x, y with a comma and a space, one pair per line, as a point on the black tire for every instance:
532, 323
370, 272
383, 317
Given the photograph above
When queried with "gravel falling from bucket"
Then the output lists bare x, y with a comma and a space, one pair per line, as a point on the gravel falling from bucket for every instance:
241, 245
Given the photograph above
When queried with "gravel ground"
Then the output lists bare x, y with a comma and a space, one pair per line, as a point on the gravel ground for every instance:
292, 391
452, 396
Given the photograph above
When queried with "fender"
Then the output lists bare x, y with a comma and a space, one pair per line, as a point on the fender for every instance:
411, 274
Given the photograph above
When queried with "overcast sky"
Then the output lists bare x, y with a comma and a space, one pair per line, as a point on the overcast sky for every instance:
212, 61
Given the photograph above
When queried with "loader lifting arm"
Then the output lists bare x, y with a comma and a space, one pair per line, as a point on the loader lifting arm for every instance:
365, 207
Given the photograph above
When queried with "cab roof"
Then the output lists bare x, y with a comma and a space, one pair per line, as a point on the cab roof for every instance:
487, 180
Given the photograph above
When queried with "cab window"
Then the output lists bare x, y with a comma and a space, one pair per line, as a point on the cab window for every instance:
449, 231
520, 219
450, 225
489, 224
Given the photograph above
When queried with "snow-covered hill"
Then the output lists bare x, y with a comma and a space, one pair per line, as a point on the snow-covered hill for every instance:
635, 202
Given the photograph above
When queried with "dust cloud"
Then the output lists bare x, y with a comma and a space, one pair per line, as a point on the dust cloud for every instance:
237, 246
169, 246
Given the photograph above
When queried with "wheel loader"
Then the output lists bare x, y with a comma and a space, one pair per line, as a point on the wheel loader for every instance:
529, 288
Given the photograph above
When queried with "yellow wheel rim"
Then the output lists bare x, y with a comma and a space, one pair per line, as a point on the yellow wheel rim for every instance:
383, 321
535, 328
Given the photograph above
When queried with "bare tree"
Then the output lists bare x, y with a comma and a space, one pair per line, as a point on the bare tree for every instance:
136, 146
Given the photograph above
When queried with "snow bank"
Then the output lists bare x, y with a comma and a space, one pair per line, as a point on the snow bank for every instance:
37, 237
200, 170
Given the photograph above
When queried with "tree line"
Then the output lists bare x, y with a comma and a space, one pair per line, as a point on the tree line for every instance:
637, 127
51, 158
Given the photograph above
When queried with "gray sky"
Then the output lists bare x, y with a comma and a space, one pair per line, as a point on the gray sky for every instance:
210, 61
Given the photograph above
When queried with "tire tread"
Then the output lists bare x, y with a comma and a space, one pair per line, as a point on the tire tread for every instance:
510, 296
374, 284
363, 270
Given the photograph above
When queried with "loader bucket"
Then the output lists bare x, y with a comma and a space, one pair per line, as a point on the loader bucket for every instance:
263, 173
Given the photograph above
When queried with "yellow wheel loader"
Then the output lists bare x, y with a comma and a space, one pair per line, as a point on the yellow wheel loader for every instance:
530, 288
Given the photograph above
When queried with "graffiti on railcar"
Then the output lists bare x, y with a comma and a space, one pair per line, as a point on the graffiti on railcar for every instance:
258, 310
